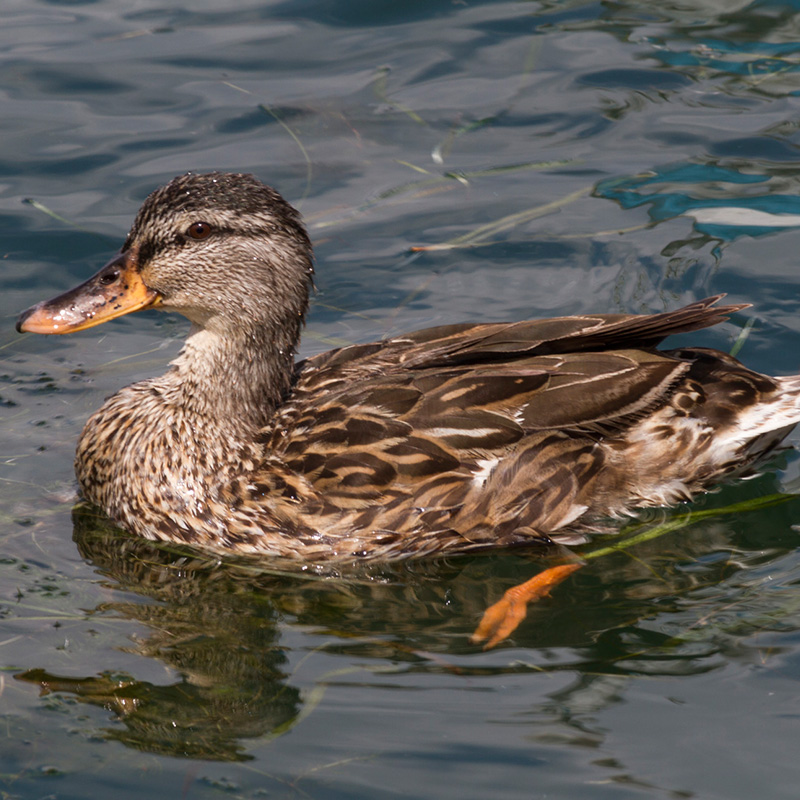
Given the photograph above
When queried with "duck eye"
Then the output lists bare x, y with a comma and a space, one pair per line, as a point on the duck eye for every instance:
199, 230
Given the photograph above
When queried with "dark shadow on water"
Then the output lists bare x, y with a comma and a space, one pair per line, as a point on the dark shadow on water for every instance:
218, 625
206, 627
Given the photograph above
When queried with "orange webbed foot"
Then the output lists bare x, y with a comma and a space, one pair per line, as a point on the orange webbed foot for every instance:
501, 619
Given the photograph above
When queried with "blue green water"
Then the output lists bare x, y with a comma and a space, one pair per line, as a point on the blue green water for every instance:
565, 157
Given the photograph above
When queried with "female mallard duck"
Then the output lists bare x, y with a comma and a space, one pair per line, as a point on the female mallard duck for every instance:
447, 440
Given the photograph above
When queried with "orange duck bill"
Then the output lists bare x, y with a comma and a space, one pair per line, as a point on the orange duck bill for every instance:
115, 290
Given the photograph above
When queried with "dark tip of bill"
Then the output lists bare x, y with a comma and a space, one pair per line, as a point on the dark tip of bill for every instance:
22, 317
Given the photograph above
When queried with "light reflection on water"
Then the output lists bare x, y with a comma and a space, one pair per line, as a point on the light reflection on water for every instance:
668, 670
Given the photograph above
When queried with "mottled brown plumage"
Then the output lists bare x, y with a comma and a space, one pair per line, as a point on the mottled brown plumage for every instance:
448, 440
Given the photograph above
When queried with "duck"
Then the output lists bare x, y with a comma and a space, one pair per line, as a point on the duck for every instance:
455, 439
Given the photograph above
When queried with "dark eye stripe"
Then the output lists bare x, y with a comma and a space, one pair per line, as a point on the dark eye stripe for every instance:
150, 248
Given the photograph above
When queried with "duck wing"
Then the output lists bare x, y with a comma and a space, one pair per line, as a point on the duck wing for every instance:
430, 415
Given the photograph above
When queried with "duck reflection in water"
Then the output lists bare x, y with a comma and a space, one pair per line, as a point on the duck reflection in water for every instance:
220, 625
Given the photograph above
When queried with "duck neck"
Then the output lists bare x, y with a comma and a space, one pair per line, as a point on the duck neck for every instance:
236, 381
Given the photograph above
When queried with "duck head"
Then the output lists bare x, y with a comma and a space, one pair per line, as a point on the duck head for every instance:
224, 250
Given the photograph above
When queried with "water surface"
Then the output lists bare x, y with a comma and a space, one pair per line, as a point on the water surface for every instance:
564, 157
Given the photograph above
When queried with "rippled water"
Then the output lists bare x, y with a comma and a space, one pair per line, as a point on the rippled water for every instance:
563, 157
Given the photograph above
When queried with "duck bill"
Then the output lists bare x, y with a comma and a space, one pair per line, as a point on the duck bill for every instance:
115, 290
